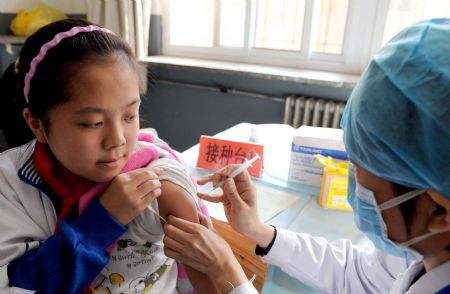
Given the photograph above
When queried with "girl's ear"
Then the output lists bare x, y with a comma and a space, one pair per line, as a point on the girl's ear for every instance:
439, 220
35, 125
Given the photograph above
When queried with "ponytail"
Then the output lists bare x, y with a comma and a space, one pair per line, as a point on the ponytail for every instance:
15, 129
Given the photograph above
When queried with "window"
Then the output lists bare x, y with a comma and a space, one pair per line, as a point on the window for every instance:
332, 35
403, 13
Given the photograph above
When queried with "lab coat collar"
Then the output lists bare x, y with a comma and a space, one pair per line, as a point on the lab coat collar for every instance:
431, 282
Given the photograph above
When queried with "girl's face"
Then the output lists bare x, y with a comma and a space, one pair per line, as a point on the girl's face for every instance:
94, 133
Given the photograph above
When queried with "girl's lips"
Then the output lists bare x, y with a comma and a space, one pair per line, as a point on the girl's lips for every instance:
111, 163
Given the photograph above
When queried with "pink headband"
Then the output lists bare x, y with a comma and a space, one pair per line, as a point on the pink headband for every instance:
55, 41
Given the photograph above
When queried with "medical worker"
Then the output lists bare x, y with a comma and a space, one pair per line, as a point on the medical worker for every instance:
397, 135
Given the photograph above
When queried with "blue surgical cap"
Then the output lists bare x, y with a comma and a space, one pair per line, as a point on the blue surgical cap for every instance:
397, 120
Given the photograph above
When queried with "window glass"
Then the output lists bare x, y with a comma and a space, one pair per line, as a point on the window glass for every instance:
403, 13
279, 24
232, 23
331, 26
192, 23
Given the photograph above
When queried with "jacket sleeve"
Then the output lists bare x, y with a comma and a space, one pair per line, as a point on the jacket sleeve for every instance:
67, 262
334, 267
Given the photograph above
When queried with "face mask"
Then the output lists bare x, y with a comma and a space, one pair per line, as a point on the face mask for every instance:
368, 217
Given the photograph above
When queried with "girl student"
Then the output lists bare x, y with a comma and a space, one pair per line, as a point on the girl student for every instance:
77, 201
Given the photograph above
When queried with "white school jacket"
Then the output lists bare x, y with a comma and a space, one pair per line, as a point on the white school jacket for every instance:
25, 211
340, 267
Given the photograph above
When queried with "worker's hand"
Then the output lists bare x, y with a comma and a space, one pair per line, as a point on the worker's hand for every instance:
131, 192
196, 246
238, 198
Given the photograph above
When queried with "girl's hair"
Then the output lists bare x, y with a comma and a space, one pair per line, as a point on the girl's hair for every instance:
51, 81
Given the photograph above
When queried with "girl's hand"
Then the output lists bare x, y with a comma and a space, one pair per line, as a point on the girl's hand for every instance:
130, 193
239, 199
194, 245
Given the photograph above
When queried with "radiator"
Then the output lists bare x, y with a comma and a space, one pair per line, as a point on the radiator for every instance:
310, 111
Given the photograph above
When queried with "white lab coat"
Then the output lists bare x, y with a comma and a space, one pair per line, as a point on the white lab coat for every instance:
340, 267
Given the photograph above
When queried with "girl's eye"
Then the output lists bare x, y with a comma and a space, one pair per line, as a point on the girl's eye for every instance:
130, 118
93, 125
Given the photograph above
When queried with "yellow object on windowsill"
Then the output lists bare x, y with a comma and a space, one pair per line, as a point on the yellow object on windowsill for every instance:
26, 23
333, 191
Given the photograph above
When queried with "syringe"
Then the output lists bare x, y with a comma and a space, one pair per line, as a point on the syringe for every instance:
238, 170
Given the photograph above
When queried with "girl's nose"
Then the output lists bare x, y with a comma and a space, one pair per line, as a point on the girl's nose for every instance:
114, 137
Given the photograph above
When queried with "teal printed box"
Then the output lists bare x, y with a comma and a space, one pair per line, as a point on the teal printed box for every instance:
308, 141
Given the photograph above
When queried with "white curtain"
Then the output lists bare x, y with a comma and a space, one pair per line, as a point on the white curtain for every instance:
130, 19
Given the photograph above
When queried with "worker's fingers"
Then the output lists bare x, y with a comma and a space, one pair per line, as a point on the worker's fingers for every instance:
210, 198
218, 175
174, 232
205, 179
243, 177
173, 244
182, 226
231, 192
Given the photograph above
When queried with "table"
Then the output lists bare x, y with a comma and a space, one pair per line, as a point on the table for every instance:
301, 211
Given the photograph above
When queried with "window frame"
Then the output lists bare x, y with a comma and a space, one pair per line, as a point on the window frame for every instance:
364, 32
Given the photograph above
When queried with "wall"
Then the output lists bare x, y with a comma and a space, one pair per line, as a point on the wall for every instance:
183, 103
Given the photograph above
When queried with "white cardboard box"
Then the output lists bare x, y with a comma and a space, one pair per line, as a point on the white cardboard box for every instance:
307, 142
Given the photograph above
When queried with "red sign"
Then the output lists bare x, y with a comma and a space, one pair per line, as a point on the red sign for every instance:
217, 153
